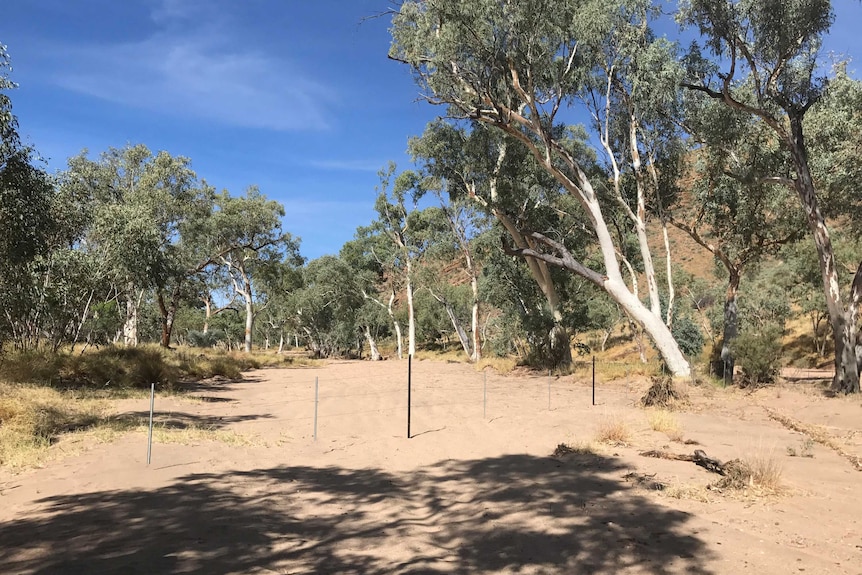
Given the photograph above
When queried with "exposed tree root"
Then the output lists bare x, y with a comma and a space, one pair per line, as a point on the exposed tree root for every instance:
735, 474
662, 393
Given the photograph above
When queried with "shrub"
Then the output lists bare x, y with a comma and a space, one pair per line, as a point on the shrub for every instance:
119, 367
758, 355
688, 335
204, 339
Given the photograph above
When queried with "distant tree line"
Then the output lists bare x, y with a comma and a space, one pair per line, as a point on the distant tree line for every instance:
576, 145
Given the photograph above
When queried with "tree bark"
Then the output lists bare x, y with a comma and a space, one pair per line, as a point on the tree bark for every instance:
731, 323
474, 321
168, 313
456, 323
613, 284
659, 332
843, 320
249, 318
208, 306
130, 325
671, 291
558, 337
372, 345
389, 307
411, 316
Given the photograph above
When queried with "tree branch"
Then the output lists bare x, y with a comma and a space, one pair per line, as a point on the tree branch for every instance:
564, 259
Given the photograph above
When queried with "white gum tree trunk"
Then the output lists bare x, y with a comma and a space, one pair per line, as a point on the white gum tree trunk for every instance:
372, 345
411, 316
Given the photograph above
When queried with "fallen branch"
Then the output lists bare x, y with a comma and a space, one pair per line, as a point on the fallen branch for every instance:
699, 457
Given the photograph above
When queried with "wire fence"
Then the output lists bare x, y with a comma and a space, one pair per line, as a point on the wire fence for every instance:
389, 398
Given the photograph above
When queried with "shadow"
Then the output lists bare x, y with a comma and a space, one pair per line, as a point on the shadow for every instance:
214, 384
212, 399
427, 431
180, 420
512, 513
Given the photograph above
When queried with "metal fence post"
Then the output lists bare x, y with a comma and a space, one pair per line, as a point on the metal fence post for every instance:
316, 396
150, 435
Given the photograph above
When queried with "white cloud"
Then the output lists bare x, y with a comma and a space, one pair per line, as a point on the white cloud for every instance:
193, 67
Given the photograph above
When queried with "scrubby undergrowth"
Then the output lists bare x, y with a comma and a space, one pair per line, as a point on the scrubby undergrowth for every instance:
132, 367
44, 395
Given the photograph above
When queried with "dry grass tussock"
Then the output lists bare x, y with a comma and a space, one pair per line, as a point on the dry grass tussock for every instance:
502, 365
688, 491
32, 418
757, 474
614, 430
35, 418
45, 397
116, 367
665, 422
581, 448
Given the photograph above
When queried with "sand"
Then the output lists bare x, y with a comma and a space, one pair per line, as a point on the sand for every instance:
475, 489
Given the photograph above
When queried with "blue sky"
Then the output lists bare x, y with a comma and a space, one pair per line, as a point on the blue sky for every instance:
296, 97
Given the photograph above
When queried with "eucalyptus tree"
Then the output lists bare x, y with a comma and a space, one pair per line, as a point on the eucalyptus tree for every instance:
369, 256
450, 263
447, 230
247, 240
480, 167
399, 221
327, 307
146, 210
25, 196
279, 282
732, 210
462, 226
766, 67
214, 290
190, 260
374, 280
514, 66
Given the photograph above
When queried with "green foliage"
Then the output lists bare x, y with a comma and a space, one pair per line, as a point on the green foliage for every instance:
758, 352
688, 335
203, 339
326, 306
766, 301
247, 240
25, 215
834, 136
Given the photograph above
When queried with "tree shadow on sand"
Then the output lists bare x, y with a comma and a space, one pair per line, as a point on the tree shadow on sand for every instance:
515, 513
182, 420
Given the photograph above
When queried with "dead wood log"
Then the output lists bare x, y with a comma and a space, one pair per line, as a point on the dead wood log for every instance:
699, 457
